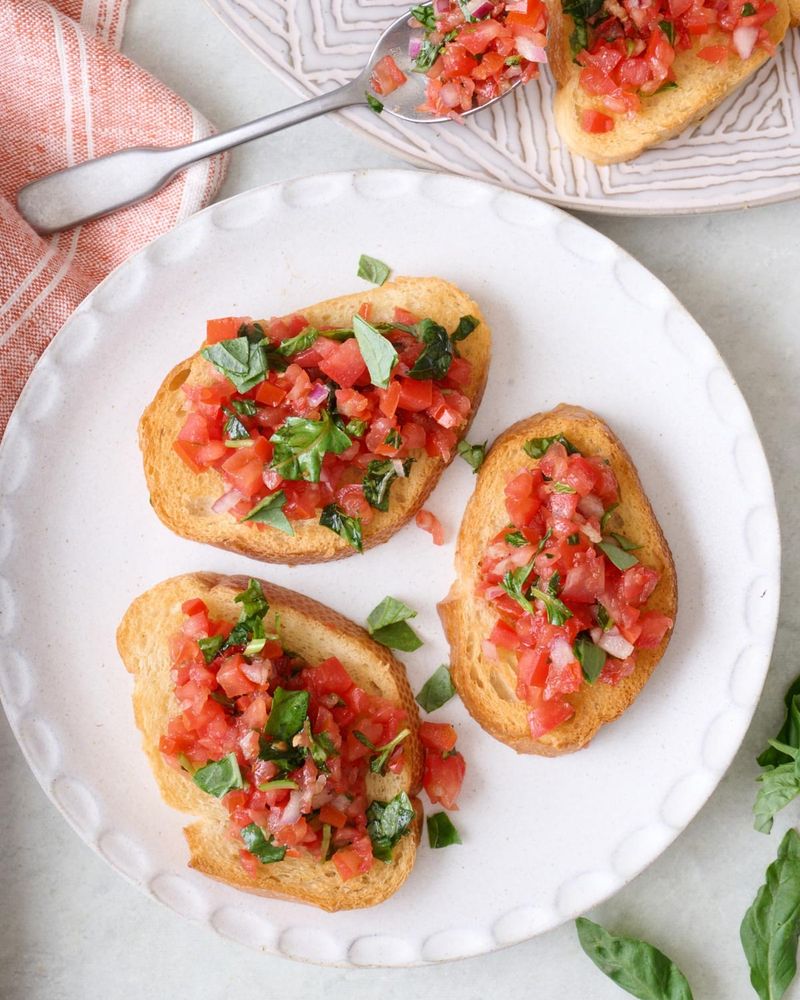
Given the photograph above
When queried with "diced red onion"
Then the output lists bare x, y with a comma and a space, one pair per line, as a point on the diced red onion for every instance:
226, 501
441, 6
529, 51
318, 394
250, 744
615, 645
414, 46
489, 650
479, 8
341, 802
517, 7
291, 812
257, 671
561, 653
591, 506
744, 40
397, 465
596, 634
591, 533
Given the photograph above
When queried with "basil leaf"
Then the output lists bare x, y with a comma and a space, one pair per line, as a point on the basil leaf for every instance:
557, 612
287, 715
387, 822
277, 785
393, 439
386, 623
437, 355
378, 480
425, 15
270, 511
321, 749
356, 428
222, 698
591, 658
437, 690
604, 619
389, 611
348, 528
301, 444
778, 787
441, 832
220, 776
371, 269
378, 763
473, 454
253, 601
513, 583
427, 55
378, 354
536, 447
234, 428
543, 541
669, 85
286, 759
619, 557
607, 517
625, 543
373, 102
789, 732
573, 539
770, 927
210, 647
562, 488
256, 843
465, 327
302, 342
245, 407
635, 966
400, 636
748, 10
516, 538
669, 30
240, 360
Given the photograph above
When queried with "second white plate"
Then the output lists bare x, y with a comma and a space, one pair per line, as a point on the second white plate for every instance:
575, 319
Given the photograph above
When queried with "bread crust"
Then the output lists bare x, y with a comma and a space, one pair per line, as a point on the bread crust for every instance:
316, 632
701, 87
182, 499
487, 688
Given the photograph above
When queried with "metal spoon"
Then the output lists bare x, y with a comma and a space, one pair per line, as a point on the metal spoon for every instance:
104, 185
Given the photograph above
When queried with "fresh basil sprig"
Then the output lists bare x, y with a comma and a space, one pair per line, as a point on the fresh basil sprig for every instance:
634, 965
372, 269
346, 527
388, 624
264, 849
376, 350
246, 359
219, 776
287, 715
249, 630
437, 690
378, 480
387, 822
536, 447
301, 445
270, 511
473, 454
770, 928
441, 831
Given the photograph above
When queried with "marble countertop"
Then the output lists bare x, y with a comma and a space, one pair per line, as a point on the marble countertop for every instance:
71, 928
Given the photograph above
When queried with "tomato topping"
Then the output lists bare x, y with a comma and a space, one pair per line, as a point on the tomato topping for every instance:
596, 121
443, 777
223, 329
566, 585
429, 522
387, 76
439, 736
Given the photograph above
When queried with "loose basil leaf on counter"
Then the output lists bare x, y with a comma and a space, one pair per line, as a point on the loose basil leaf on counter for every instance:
372, 269
634, 965
591, 658
256, 843
437, 690
302, 342
210, 647
441, 832
770, 928
270, 511
287, 715
346, 527
220, 776
245, 407
536, 447
473, 454
387, 624
373, 102
301, 444
789, 733
378, 354
437, 355
387, 822
619, 557
378, 479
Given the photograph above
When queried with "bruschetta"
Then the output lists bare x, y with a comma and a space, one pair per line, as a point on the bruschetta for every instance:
316, 435
565, 593
287, 732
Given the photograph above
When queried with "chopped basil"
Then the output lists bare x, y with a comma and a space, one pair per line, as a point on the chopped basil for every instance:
514, 585
249, 630
778, 787
544, 540
301, 444
562, 488
607, 516
220, 776
378, 479
277, 785
186, 764
557, 612
536, 447
210, 647
619, 557
591, 658
245, 407
234, 428
427, 55
243, 362
669, 85
287, 715
387, 822
748, 10
302, 342
465, 327
252, 600
437, 690
222, 698
346, 527
437, 355
669, 30
378, 354
387, 624
624, 543
372, 269
580, 11
356, 428
473, 454
325, 846
573, 539
513, 60
378, 763
441, 832
516, 538
604, 619
264, 849
270, 511
425, 15
286, 759
373, 102
321, 747
393, 439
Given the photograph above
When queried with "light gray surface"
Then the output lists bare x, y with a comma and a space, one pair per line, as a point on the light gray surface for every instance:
71, 928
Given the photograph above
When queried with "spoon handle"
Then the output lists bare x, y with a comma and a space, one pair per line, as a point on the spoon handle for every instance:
97, 187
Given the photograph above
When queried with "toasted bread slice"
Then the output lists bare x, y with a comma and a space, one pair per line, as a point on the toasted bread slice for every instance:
794, 13
316, 632
183, 499
487, 687
701, 87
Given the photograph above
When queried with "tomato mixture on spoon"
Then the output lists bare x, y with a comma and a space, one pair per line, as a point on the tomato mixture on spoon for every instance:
627, 48
285, 744
307, 423
567, 587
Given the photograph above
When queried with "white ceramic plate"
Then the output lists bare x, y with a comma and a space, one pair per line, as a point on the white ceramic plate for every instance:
574, 319
746, 152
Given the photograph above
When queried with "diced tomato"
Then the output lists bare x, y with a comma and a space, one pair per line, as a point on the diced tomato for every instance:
429, 522
504, 636
585, 581
231, 678
387, 76
194, 430
270, 394
637, 584
546, 715
437, 736
194, 607
416, 395
654, 627
328, 677
714, 53
188, 452
594, 122
532, 669
243, 470
443, 777
223, 329
332, 816
345, 365
354, 860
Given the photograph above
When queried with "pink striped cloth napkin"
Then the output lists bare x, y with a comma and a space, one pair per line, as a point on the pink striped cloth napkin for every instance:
66, 94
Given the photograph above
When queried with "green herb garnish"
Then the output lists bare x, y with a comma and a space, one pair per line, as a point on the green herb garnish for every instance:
388, 624
270, 511
302, 342
219, 776
473, 454
264, 849
516, 538
346, 527
619, 557
378, 763
514, 584
287, 715
245, 407
210, 647
378, 479
372, 269
387, 822
536, 447
378, 354
441, 832
562, 488
373, 102
669, 30
301, 444
277, 785
591, 658
437, 690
